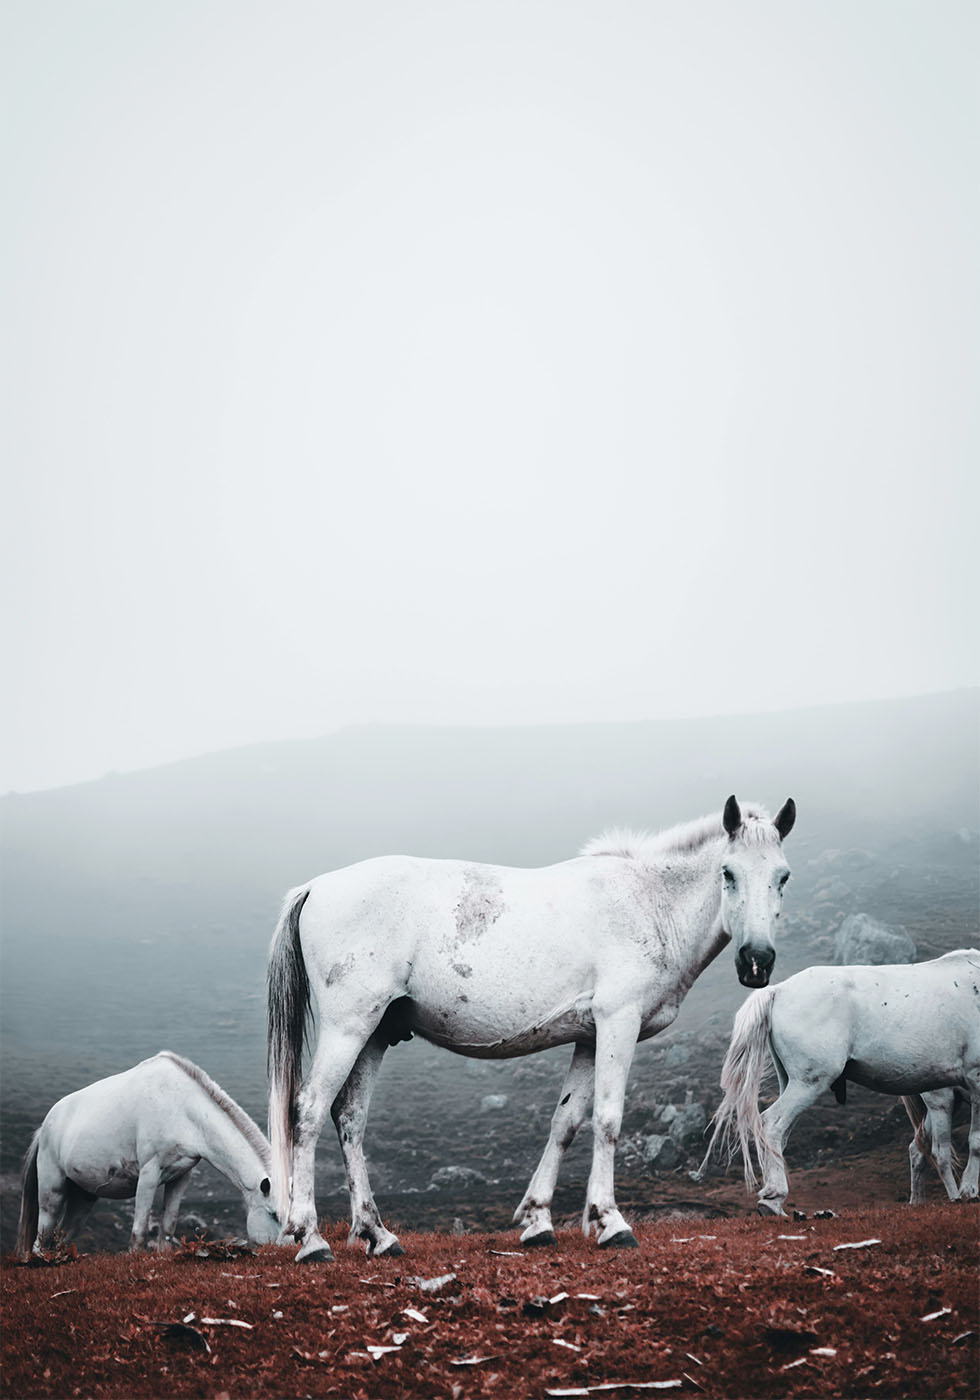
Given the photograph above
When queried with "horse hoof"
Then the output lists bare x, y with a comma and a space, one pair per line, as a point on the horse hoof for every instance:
321, 1254
545, 1240
765, 1209
624, 1239
394, 1251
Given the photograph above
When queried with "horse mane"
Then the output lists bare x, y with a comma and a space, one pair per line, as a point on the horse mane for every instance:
687, 838
249, 1130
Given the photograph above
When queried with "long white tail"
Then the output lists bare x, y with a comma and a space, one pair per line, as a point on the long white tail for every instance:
738, 1120
289, 1010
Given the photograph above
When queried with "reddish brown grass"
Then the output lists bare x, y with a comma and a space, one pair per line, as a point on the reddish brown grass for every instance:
728, 1308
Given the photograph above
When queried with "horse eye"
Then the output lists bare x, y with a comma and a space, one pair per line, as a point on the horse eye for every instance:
783, 879
729, 875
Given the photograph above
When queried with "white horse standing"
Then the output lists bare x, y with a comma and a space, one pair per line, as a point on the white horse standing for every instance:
131, 1133
901, 1029
494, 962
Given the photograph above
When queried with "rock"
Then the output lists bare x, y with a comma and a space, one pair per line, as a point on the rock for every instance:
863, 940
660, 1152
491, 1103
688, 1124
456, 1176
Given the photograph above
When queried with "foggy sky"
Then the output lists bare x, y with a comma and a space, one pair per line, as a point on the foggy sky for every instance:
480, 363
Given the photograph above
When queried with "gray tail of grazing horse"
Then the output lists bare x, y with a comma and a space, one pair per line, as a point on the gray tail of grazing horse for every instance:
289, 1010
27, 1229
738, 1122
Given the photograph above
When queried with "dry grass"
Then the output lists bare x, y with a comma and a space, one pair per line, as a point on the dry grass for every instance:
727, 1308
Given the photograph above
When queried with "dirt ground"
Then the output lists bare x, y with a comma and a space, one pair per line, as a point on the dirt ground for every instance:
725, 1308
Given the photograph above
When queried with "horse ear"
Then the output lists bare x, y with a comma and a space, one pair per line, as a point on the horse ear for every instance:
785, 818
732, 816
265, 1186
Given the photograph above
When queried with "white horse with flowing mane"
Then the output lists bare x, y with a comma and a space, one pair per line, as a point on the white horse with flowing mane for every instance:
131, 1133
493, 962
904, 1029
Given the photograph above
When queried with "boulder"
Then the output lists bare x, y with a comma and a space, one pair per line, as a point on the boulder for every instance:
864, 941
456, 1176
490, 1103
660, 1152
688, 1124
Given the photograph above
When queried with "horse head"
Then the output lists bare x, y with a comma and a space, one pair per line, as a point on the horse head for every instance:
754, 873
263, 1222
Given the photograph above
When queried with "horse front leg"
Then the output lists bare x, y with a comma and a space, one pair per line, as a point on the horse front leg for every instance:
52, 1200
173, 1194
616, 1036
146, 1189
534, 1211
350, 1113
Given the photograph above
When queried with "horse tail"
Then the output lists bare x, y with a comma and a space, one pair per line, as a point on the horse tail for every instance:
916, 1109
737, 1120
289, 1010
27, 1229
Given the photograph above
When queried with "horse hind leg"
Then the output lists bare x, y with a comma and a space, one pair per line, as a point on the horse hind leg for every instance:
350, 1113
938, 1125
534, 1211
336, 1054
777, 1123
917, 1173
970, 1180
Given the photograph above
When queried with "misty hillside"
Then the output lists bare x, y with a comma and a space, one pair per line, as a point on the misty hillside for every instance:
137, 909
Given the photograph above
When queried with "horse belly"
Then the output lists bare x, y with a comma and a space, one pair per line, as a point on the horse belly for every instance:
905, 1058
492, 1002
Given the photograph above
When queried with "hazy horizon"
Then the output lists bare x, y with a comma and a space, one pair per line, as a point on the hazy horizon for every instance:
337, 730
524, 364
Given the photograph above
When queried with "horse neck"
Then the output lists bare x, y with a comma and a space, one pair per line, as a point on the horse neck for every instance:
694, 891
225, 1147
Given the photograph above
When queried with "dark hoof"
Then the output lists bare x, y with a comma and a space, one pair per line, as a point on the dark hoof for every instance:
546, 1240
316, 1256
766, 1210
394, 1251
624, 1240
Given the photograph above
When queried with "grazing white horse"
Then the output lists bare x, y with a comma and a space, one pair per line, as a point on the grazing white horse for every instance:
901, 1029
125, 1136
931, 1114
494, 962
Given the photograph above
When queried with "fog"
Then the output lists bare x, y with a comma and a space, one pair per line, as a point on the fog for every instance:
482, 365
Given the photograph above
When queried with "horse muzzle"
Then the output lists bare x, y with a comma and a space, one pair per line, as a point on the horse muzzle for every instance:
754, 967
